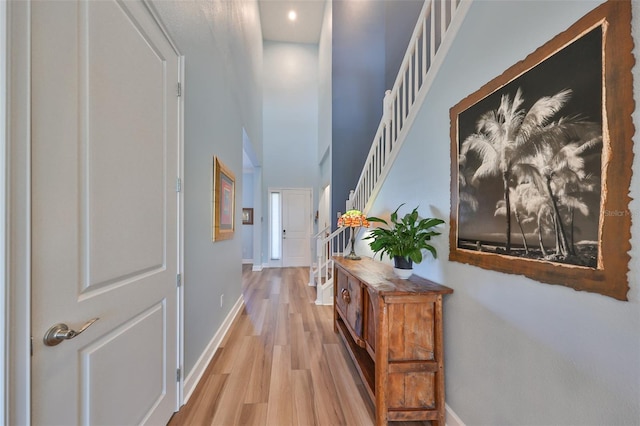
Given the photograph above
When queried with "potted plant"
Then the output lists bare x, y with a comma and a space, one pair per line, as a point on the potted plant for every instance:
404, 240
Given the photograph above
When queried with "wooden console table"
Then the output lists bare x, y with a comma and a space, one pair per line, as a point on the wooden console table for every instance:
392, 329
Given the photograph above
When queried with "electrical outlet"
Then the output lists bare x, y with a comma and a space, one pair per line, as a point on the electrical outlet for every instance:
221, 300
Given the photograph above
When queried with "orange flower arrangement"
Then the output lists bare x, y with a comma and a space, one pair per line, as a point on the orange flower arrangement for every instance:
353, 218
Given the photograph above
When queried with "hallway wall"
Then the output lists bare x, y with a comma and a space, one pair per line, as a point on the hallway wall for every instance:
517, 351
222, 46
246, 231
290, 122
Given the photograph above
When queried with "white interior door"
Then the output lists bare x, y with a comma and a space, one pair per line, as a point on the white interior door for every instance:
105, 147
296, 227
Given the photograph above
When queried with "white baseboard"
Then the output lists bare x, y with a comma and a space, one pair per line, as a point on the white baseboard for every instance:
256, 268
196, 373
452, 418
247, 261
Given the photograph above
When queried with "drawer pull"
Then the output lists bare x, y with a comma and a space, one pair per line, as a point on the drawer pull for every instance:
346, 296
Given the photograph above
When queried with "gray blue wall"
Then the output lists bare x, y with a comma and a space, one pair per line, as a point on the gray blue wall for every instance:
400, 19
517, 352
369, 42
325, 95
220, 44
358, 67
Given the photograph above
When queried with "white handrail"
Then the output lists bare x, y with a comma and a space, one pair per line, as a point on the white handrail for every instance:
321, 232
333, 244
437, 25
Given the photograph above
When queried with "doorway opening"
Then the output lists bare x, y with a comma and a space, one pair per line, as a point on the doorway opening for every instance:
290, 227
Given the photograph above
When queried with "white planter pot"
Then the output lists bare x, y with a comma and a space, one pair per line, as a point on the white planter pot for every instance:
402, 273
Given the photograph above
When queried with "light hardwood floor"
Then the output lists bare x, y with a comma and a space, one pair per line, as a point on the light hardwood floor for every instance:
280, 364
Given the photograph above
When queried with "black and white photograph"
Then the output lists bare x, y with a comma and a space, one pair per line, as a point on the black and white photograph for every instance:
540, 161
530, 161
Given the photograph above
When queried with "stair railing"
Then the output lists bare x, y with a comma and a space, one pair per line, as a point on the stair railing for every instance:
433, 34
315, 251
321, 277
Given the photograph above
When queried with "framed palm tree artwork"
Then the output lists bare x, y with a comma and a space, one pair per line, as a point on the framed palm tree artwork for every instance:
541, 161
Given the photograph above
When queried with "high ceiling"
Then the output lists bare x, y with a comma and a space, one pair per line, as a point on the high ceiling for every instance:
276, 25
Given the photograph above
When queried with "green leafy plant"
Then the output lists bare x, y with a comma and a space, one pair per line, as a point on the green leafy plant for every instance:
406, 237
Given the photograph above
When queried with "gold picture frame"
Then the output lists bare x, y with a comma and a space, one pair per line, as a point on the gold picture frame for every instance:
223, 217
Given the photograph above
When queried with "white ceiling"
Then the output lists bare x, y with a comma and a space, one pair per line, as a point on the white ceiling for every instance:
277, 27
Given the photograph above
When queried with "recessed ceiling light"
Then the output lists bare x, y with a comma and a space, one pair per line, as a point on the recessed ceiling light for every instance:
292, 15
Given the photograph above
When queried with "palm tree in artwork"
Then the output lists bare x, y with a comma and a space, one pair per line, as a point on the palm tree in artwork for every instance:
544, 222
517, 209
571, 195
510, 134
555, 163
534, 208
495, 131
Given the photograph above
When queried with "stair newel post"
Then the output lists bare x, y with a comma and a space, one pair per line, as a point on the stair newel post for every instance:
350, 201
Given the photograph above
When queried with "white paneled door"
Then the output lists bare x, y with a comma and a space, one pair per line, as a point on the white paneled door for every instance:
296, 227
105, 151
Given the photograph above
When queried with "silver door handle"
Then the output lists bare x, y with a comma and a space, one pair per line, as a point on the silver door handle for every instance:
59, 332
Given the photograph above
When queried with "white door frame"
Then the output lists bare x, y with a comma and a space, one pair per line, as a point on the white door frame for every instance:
272, 263
3, 199
17, 309
180, 208
19, 214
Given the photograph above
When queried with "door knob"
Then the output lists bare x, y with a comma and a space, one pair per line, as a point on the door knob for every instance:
59, 332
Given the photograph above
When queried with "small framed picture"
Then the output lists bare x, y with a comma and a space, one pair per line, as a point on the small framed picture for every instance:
247, 216
223, 201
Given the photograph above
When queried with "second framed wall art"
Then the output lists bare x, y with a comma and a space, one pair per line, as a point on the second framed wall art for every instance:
541, 161
223, 217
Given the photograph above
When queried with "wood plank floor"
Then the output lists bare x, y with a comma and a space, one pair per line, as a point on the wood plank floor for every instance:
280, 364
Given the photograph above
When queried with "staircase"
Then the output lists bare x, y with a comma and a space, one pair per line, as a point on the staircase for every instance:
321, 276
434, 32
